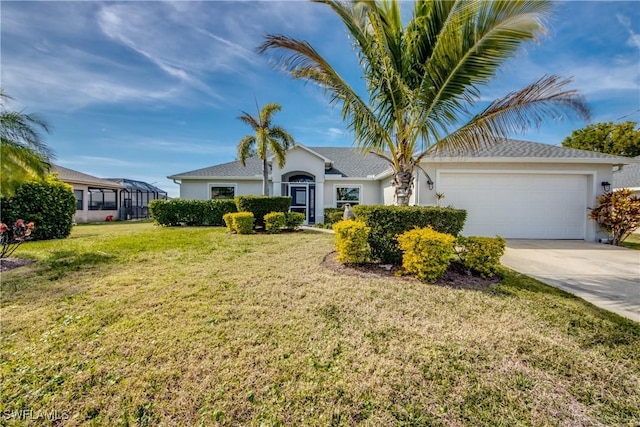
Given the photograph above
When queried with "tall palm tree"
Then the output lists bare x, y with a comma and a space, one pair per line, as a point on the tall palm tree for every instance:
24, 153
423, 79
268, 138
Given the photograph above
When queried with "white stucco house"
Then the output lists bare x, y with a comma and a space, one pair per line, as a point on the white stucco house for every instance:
515, 189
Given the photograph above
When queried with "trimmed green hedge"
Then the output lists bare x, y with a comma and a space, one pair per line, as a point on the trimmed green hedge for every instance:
262, 205
387, 222
332, 215
190, 212
49, 204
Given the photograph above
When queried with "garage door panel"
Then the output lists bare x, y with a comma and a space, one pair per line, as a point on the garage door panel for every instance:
512, 205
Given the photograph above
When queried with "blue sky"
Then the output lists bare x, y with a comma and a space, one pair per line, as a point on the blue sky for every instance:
143, 90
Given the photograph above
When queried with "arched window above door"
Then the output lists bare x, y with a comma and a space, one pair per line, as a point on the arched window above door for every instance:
301, 178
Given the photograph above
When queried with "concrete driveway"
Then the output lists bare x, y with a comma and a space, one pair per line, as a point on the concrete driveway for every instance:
606, 276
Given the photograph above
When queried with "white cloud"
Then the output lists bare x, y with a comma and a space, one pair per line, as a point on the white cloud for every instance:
634, 38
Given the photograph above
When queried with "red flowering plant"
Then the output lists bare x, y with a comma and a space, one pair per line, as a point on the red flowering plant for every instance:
11, 238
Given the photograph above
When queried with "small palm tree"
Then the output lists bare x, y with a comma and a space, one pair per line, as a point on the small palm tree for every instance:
24, 153
423, 79
268, 138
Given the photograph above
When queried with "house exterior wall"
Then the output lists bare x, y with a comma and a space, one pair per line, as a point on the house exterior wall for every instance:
199, 189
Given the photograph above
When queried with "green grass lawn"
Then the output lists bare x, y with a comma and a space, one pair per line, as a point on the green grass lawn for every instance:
133, 324
632, 242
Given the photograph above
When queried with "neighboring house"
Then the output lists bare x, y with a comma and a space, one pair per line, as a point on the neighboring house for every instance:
98, 199
628, 177
516, 189
135, 197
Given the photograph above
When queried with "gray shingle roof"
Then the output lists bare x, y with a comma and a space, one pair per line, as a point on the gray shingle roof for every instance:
629, 176
351, 162
346, 161
73, 176
514, 148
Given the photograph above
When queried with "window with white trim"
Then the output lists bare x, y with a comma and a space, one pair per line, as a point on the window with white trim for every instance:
219, 192
347, 194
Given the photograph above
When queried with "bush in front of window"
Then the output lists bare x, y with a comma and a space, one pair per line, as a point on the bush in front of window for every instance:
262, 205
50, 203
426, 253
387, 222
352, 241
481, 254
190, 212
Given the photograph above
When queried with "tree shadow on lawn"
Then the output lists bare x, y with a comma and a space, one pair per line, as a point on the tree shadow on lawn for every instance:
58, 265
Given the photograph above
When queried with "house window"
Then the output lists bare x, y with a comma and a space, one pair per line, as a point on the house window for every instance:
102, 199
79, 199
347, 194
222, 192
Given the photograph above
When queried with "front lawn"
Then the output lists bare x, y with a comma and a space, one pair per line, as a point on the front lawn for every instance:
632, 242
133, 324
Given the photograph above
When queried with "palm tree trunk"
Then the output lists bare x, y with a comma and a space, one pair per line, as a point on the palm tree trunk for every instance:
265, 177
403, 183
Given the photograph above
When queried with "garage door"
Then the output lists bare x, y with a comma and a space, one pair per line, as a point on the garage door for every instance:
513, 205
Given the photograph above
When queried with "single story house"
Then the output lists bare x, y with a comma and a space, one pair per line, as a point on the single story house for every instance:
628, 177
98, 199
515, 189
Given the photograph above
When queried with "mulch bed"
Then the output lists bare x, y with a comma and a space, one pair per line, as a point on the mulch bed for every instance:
11, 263
456, 275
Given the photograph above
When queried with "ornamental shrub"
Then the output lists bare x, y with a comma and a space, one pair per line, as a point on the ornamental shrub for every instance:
617, 212
190, 212
387, 222
427, 253
274, 222
228, 221
293, 219
262, 205
50, 204
352, 241
481, 254
242, 222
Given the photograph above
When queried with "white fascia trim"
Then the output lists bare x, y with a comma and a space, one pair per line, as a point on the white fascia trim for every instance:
613, 162
347, 178
227, 178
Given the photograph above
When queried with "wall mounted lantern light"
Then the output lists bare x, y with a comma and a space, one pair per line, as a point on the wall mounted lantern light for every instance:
606, 186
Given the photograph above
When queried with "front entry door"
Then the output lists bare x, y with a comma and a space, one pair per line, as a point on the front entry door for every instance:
299, 199
303, 200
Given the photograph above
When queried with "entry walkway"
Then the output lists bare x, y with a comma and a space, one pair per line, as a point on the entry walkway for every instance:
606, 276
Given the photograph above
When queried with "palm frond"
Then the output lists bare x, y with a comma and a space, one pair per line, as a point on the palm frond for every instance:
249, 120
546, 98
245, 148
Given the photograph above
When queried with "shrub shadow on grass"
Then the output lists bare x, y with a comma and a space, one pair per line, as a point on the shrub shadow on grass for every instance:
61, 263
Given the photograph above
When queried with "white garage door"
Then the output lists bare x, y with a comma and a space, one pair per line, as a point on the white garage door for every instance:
513, 205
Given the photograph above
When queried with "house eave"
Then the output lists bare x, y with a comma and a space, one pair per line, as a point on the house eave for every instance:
563, 160
217, 177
